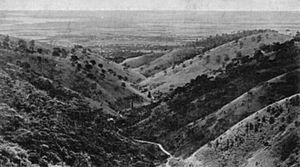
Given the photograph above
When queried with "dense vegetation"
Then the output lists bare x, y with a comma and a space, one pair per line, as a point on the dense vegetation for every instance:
43, 122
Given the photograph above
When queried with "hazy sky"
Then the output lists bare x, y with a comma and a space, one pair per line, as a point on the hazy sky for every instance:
278, 5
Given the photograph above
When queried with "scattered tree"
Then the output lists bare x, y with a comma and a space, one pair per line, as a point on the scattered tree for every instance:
239, 54
22, 45
123, 84
32, 46
6, 42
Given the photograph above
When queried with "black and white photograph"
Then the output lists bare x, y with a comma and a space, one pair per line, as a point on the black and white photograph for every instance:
149, 83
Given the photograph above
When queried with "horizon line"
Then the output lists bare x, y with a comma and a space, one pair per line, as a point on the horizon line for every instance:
156, 10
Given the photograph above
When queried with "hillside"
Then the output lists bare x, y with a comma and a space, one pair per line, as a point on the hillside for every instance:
103, 82
210, 63
203, 109
175, 56
268, 138
139, 61
46, 121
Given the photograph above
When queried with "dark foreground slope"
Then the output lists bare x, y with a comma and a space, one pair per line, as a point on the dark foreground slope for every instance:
44, 123
195, 114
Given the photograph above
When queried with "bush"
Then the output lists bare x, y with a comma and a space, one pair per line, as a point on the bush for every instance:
239, 54
74, 58
123, 84
100, 65
88, 67
226, 58
93, 62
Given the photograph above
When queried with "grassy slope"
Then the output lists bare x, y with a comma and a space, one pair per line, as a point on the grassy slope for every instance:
136, 62
194, 67
167, 60
248, 103
170, 122
269, 137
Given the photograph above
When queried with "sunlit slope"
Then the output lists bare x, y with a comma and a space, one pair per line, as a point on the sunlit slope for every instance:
218, 122
211, 62
269, 137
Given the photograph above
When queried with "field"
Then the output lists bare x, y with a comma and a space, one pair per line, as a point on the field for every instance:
123, 34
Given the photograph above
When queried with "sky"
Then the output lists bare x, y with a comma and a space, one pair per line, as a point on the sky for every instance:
264, 5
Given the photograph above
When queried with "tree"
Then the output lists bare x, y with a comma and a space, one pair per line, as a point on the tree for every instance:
22, 45
149, 95
123, 84
56, 52
218, 59
32, 46
6, 42
226, 58
207, 59
239, 54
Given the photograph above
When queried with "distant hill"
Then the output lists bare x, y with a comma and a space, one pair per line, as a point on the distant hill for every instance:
176, 56
210, 63
141, 60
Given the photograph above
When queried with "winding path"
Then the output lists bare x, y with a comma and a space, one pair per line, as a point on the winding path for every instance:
161, 148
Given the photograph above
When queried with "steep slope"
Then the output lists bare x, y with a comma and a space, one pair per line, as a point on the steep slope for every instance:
268, 138
203, 109
210, 63
44, 124
103, 82
218, 122
176, 56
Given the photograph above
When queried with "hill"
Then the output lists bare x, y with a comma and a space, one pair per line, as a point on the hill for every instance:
139, 61
211, 62
103, 82
175, 56
203, 109
270, 137
48, 119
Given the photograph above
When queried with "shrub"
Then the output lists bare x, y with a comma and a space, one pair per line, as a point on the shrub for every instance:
226, 57
79, 66
120, 77
93, 62
100, 65
259, 38
74, 58
56, 52
239, 54
40, 50
123, 84
88, 67
218, 59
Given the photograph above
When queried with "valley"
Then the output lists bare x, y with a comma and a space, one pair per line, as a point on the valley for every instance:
148, 99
